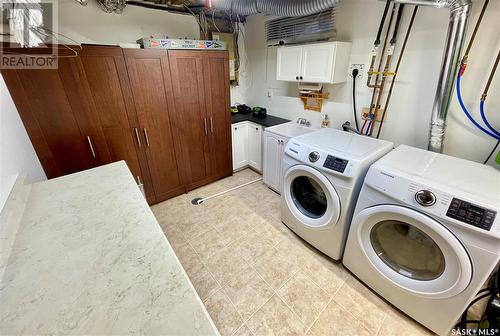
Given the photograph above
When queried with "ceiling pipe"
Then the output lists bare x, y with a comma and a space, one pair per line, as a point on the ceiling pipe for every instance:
459, 14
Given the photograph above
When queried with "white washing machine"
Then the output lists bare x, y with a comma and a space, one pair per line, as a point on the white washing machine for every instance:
426, 233
323, 173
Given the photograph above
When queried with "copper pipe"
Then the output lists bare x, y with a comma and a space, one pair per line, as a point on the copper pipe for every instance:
476, 28
368, 83
381, 91
403, 48
490, 78
381, 59
455, 37
372, 63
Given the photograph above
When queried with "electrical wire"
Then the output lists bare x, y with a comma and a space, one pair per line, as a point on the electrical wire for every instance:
491, 153
213, 20
464, 320
462, 105
400, 57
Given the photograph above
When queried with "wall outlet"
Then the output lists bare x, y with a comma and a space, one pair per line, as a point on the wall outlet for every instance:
360, 67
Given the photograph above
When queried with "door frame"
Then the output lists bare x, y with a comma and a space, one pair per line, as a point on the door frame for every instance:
457, 273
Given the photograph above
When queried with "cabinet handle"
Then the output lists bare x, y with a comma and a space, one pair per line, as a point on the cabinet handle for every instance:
205, 123
137, 137
211, 125
297, 78
90, 145
301, 77
146, 136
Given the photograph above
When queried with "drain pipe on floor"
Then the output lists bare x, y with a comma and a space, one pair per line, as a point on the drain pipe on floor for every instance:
459, 14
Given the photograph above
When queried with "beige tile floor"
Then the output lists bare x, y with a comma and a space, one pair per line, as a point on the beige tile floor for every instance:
256, 277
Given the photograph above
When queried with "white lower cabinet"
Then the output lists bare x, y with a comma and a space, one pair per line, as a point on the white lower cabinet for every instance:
247, 145
255, 146
240, 148
274, 150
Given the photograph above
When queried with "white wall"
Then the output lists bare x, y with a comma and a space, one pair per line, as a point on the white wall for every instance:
89, 24
411, 104
17, 155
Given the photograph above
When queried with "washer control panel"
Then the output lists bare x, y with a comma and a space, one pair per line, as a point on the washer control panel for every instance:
334, 163
471, 214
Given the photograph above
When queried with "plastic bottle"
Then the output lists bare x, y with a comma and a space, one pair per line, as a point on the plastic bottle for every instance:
325, 123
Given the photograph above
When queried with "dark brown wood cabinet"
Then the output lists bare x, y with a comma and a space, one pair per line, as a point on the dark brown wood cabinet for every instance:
191, 125
149, 74
166, 113
110, 87
57, 110
215, 67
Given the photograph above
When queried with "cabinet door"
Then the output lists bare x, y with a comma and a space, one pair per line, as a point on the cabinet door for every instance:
317, 62
273, 153
108, 80
288, 65
190, 124
216, 75
255, 146
149, 74
240, 148
57, 109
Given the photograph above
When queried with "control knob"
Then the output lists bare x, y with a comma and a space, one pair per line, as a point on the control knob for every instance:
314, 156
425, 198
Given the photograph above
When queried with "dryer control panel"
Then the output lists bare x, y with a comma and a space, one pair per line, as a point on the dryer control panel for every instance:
335, 163
471, 214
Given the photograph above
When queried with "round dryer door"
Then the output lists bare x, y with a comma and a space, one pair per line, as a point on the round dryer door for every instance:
413, 251
311, 197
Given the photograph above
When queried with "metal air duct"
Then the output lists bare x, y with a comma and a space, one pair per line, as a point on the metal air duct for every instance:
459, 14
274, 7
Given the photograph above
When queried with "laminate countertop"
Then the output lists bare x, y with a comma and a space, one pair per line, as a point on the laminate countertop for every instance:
90, 258
266, 121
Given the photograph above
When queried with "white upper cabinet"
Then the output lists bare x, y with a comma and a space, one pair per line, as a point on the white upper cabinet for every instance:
289, 63
317, 63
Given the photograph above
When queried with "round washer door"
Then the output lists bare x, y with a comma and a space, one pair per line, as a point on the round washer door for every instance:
311, 197
413, 251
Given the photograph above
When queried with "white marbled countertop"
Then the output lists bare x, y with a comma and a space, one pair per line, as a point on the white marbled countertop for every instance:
90, 258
